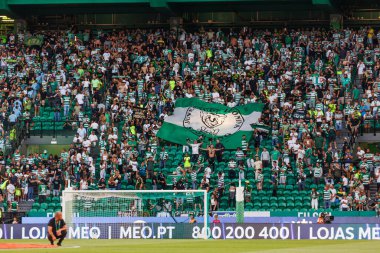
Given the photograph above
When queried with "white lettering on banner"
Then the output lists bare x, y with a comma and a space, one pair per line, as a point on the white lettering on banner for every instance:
369, 233
33, 233
84, 233
223, 231
376, 233
1, 233
136, 233
309, 214
364, 233
350, 233
145, 232
74, 233
323, 233
161, 231
125, 233
330, 233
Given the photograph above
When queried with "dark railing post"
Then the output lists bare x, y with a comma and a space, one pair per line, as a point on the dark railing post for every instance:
361, 128
374, 127
41, 135
54, 129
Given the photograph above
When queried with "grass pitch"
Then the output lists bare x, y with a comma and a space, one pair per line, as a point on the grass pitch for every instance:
200, 246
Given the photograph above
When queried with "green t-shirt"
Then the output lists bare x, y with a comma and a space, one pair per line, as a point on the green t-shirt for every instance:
356, 93
42, 190
275, 155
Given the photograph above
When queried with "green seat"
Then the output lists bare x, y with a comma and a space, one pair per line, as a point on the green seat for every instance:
282, 205
290, 198
265, 206
289, 187
257, 205
274, 205
44, 206
56, 199
248, 205
306, 199
298, 205
273, 199
51, 205
36, 205
313, 186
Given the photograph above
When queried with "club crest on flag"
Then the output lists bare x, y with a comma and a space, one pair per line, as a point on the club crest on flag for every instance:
193, 118
215, 122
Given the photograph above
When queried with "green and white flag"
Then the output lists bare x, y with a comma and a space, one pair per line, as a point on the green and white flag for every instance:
193, 118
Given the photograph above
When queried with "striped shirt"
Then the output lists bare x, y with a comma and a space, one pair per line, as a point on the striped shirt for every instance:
326, 194
66, 100
164, 155
221, 181
232, 164
239, 155
65, 156
366, 178
193, 176
244, 144
318, 171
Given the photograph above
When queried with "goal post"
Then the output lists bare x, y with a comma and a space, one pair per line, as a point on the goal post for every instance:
129, 206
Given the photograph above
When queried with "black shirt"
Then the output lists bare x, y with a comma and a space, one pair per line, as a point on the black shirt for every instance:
56, 184
56, 225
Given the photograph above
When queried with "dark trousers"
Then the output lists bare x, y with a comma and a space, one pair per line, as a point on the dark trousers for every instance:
60, 238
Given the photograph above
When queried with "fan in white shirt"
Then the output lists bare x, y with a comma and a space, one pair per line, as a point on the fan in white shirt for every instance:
80, 97
93, 138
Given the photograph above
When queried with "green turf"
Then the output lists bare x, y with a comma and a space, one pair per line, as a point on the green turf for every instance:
209, 246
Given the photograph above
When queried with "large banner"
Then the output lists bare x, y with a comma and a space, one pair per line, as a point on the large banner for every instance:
193, 118
196, 231
34, 41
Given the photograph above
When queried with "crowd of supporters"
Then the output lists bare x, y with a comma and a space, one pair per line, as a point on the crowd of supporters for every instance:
114, 89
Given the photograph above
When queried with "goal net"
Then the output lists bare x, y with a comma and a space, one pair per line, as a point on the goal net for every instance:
132, 206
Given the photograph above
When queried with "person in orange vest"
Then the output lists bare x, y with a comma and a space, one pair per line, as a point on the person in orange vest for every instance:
321, 219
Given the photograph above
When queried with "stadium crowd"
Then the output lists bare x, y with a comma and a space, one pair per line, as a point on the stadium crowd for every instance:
114, 89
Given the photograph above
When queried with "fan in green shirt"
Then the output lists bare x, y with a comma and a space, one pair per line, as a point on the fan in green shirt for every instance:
356, 93
275, 154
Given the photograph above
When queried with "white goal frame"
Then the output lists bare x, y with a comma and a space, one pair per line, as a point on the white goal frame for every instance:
67, 193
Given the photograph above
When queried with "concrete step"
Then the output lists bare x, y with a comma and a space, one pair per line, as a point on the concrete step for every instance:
373, 189
369, 137
25, 206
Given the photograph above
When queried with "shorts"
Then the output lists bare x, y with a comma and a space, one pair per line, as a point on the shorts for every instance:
366, 187
338, 125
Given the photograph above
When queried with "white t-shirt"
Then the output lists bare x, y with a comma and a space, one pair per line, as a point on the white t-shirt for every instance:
360, 153
344, 203
195, 148
208, 172
11, 189
79, 97
93, 138
82, 132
